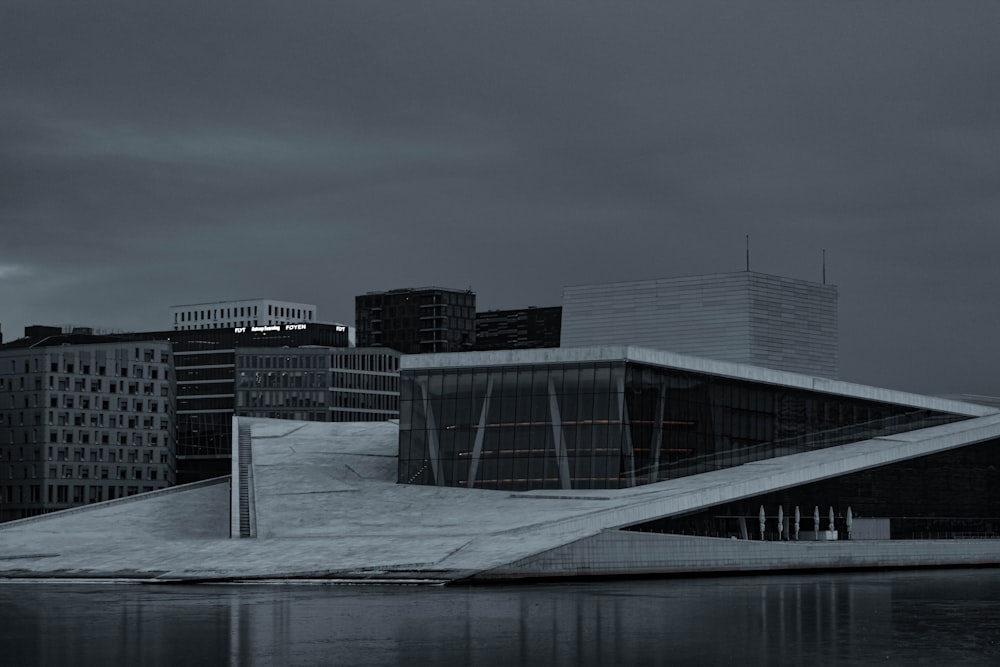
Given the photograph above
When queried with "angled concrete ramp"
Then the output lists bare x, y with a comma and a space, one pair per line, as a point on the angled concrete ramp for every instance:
326, 505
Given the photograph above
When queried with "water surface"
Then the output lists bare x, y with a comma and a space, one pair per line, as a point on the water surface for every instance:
931, 618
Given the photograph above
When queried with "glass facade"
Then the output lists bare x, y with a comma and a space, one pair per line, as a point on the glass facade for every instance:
310, 384
952, 494
615, 424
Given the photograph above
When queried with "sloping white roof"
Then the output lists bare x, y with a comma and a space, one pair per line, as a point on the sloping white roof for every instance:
327, 505
671, 360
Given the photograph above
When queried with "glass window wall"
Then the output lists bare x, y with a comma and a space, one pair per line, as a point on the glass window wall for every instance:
614, 424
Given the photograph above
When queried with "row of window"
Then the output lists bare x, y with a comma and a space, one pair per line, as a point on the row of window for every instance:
241, 312
387, 402
203, 359
76, 494
89, 472
86, 402
65, 383
81, 436
228, 325
302, 380
331, 415
365, 381
206, 404
104, 404
95, 454
83, 361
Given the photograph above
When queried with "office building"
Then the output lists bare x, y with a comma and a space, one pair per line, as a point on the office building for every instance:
519, 329
83, 419
246, 313
317, 383
206, 369
746, 317
417, 320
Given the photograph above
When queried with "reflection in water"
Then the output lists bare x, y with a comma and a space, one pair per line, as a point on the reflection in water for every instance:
908, 618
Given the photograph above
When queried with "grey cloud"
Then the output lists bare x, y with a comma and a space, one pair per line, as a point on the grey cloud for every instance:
170, 152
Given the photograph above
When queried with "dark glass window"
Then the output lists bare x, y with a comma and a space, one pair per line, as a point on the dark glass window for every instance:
612, 424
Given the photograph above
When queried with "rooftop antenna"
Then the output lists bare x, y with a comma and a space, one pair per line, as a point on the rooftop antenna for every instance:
748, 252
824, 266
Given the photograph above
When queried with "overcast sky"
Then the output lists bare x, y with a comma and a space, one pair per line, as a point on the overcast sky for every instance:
161, 153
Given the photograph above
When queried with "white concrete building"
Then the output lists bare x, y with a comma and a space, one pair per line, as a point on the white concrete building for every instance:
743, 317
245, 313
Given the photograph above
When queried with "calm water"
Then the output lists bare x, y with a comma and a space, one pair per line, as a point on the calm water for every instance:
931, 618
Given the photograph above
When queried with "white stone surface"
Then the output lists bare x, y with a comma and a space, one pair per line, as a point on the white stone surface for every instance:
327, 506
746, 316
620, 553
683, 362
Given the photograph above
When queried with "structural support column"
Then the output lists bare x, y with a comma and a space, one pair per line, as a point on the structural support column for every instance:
656, 443
433, 452
562, 461
477, 447
627, 451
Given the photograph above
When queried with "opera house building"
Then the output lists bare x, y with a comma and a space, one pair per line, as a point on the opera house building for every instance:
565, 462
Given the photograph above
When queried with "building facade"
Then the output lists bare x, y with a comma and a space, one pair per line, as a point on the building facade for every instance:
614, 417
83, 421
246, 313
730, 451
743, 317
205, 362
318, 384
417, 320
519, 329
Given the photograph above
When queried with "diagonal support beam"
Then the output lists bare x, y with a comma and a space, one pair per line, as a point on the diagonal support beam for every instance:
433, 451
657, 441
627, 450
562, 461
477, 447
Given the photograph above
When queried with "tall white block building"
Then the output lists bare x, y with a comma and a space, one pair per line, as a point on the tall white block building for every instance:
745, 317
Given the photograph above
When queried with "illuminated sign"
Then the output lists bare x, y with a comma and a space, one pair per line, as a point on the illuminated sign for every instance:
273, 327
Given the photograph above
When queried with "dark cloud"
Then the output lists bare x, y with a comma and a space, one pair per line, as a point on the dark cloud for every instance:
173, 152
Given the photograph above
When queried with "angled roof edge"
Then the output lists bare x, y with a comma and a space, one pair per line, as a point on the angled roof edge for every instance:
555, 355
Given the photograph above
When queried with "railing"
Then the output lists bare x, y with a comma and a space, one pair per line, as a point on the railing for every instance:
247, 523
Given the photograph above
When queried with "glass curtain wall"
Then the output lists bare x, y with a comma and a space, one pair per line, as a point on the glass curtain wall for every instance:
614, 424
947, 495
